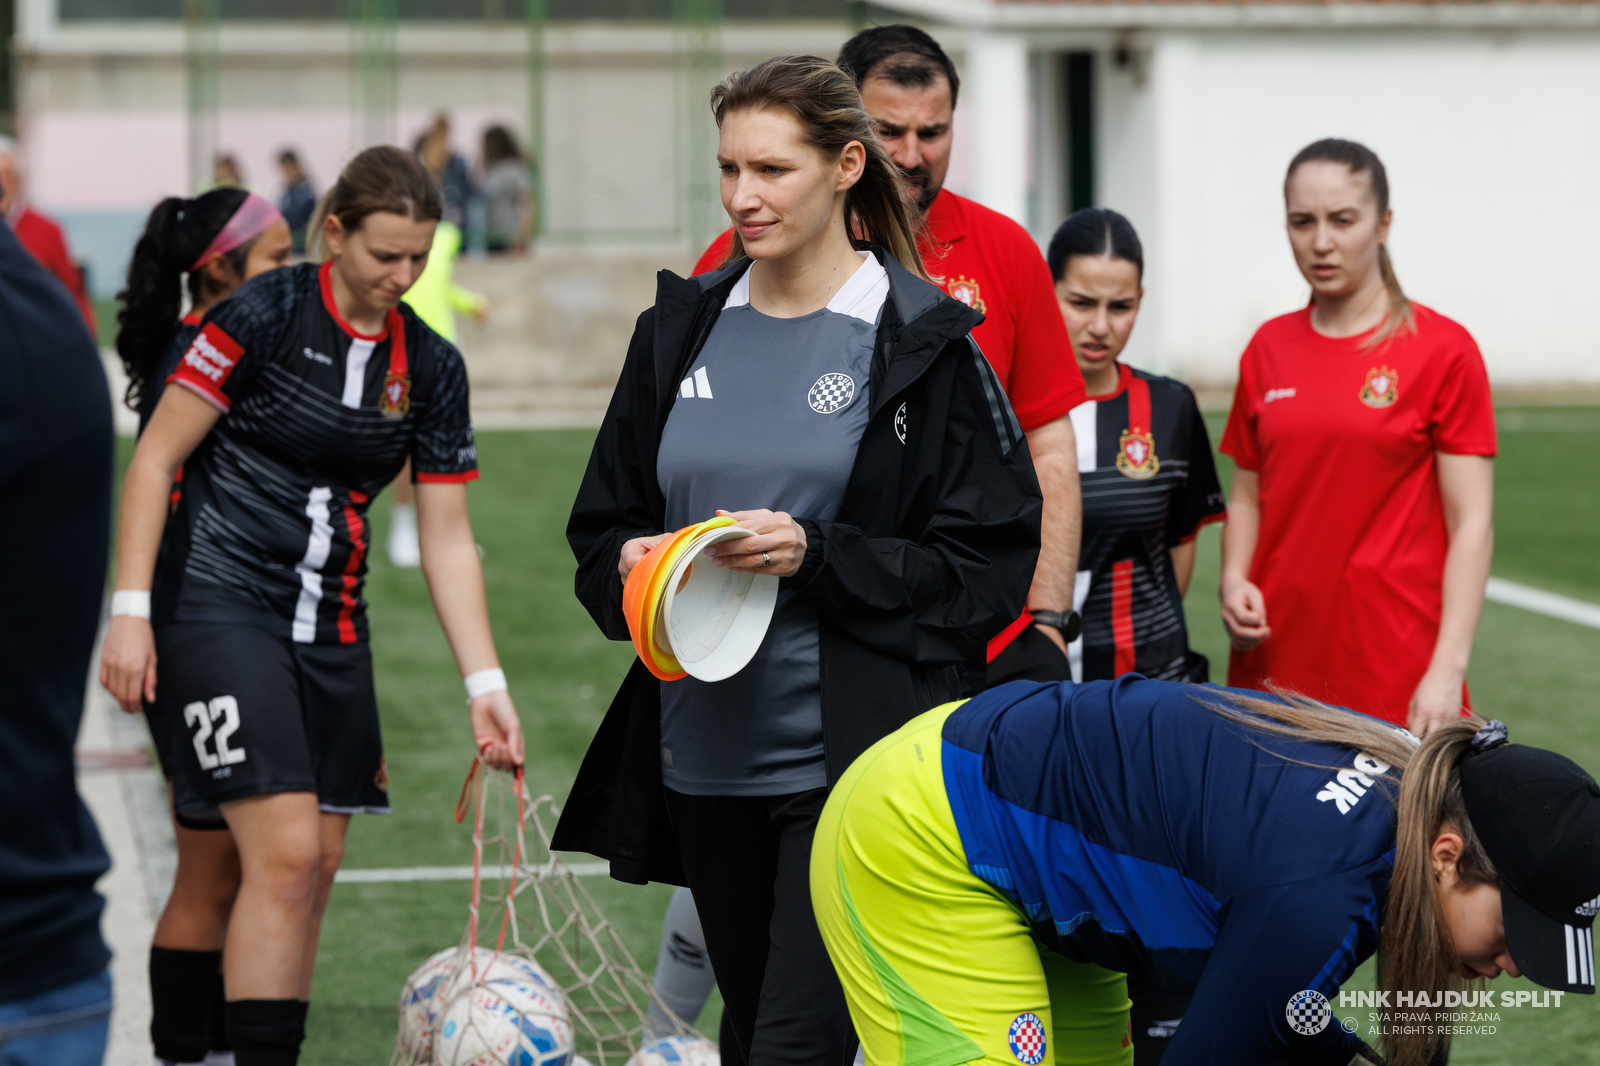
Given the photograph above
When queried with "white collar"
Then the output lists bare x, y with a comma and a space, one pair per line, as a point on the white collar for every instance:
861, 296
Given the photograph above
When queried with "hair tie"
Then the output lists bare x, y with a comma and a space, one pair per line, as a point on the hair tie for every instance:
248, 221
1491, 734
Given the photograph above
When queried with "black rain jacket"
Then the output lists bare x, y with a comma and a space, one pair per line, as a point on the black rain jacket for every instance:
930, 555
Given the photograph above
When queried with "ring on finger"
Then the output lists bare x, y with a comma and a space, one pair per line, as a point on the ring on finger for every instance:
766, 560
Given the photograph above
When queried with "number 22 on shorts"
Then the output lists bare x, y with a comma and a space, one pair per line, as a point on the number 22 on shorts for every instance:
200, 716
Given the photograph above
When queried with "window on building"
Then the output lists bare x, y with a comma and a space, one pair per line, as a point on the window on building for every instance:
1077, 138
555, 10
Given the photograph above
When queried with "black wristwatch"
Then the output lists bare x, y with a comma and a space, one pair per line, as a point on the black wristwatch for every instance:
1069, 622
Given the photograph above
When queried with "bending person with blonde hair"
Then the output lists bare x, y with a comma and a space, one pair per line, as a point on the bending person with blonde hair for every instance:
1249, 850
829, 397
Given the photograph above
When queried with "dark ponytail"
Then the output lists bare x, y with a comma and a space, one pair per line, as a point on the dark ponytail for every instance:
1094, 231
1363, 160
177, 232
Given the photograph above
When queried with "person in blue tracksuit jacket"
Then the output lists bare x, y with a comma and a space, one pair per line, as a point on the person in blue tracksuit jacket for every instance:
1246, 849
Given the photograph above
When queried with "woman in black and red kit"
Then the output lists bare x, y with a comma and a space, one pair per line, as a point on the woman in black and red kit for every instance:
1149, 481
217, 241
303, 394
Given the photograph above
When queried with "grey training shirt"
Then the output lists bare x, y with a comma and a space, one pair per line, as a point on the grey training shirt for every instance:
770, 416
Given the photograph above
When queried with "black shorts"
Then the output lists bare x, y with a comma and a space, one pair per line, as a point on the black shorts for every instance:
240, 712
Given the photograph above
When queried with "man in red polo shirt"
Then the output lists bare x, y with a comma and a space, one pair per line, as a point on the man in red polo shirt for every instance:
40, 234
988, 262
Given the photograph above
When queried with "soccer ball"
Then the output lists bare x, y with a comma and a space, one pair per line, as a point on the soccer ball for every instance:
677, 1051
507, 1017
426, 992
419, 1004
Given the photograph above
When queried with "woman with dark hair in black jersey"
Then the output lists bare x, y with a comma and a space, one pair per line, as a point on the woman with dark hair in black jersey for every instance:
210, 245
215, 242
1149, 482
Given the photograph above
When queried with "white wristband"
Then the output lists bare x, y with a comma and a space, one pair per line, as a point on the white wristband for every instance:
130, 601
480, 682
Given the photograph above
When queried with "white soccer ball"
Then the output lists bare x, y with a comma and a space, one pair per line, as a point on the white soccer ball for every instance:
677, 1051
419, 1004
506, 1017
430, 987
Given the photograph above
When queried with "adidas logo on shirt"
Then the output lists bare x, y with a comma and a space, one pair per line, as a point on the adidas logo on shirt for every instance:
696, 384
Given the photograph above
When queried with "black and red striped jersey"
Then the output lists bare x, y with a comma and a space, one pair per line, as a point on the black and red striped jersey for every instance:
271, 530
1149, 483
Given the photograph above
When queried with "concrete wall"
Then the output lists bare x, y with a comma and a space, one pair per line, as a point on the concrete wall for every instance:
104, 123
1491, 140
558, 329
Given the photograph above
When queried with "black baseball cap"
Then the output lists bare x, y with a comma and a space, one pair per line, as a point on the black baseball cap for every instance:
1538, 816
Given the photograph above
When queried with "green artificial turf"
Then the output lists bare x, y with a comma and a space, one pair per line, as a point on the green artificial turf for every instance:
1536, 673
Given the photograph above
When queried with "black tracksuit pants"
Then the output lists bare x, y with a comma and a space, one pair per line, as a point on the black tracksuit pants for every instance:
748, 862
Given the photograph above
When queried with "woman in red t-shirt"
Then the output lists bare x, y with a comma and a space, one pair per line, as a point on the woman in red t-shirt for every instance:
1360, 519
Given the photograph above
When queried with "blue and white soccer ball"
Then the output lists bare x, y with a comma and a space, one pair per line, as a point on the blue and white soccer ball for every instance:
428, 989
677, 1051
419, 1004
506, 1017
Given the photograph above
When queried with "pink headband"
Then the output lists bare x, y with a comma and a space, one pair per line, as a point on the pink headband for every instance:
247, 223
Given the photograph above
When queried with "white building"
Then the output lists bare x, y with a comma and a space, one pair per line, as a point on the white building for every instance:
1180, 114
1487, 116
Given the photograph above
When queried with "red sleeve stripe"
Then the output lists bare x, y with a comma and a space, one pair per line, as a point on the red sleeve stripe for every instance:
447, 479
1220, 516
205, 367
210, 396
1003, 639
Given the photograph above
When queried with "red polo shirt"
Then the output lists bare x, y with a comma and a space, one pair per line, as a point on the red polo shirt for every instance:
988, 262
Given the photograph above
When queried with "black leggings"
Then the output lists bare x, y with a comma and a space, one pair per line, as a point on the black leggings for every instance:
748, 861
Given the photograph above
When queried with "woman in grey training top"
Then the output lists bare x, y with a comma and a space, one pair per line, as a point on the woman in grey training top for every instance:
827, 395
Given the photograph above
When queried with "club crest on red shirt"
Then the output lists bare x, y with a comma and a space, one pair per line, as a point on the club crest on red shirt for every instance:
1382, 387
965, 289
1136, 454
396, 398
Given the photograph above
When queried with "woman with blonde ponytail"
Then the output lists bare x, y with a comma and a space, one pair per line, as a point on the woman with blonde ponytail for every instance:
821, 391
1249, 850
1360, 521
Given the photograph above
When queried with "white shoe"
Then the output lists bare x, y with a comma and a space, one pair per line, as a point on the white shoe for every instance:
404, 551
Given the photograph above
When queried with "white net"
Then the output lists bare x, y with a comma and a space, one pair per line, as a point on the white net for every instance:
540, 978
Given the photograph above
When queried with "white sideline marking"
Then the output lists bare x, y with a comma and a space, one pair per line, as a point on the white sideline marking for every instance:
1541, 602
450, 873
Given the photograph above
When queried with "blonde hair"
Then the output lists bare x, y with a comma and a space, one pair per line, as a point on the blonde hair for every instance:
1415, 949
827, 104
1363, 160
